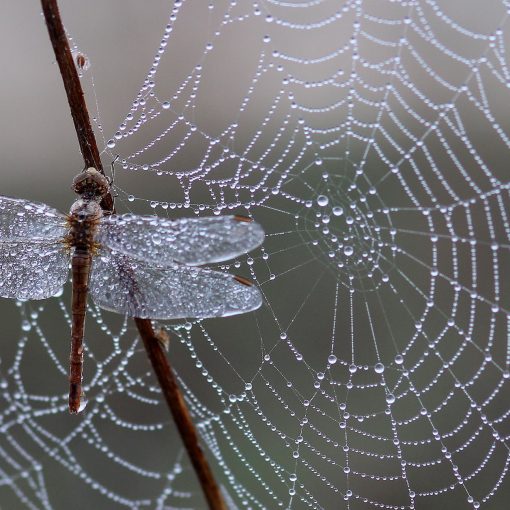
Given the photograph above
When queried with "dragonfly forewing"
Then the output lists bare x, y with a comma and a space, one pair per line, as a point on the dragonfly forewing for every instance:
192, 241
21, 220
32, 270
33, 262
131, 286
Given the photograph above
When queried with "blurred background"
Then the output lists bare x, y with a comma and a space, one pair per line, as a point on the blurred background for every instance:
370, 140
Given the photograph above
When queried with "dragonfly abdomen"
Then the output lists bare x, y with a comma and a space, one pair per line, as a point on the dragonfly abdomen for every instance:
81, 262
83, 222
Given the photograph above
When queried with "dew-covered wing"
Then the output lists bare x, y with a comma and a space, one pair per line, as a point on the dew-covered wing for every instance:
32, 270
21, 220
193, 241
139, 289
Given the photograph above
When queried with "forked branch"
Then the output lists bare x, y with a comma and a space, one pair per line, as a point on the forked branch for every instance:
155, 352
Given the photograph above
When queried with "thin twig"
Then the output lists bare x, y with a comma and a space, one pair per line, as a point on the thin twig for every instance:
75, 97
155, 352
182, 417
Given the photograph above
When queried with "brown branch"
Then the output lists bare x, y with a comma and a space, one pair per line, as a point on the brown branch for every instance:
182, 417
155, 352
75, 97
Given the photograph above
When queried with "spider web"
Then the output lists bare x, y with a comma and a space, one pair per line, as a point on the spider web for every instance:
370, 140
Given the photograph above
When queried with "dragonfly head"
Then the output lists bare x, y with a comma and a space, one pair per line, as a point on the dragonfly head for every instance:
91, 184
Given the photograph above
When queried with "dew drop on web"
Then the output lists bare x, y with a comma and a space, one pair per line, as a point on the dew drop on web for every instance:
379, 368
322, 200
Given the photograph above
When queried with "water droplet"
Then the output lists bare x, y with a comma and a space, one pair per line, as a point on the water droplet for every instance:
399, 359
166, 105
83, 403
110, 143
322, 200
348, 251
332, 359
390, 398
338, 211
26, 326
379, 368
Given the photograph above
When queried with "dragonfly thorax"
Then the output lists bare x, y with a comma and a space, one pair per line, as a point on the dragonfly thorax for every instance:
91, 184
86, 210
83, 221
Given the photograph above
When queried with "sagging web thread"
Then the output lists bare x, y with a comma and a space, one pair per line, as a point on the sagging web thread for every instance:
369, 138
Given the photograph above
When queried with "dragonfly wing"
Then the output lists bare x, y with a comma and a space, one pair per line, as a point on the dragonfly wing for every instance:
191, 241
32, 270
134, 287
21, 220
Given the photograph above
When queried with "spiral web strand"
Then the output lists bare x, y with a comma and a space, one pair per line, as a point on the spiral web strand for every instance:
369, 139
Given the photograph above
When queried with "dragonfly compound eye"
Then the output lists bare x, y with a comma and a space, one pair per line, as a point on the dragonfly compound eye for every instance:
91, 182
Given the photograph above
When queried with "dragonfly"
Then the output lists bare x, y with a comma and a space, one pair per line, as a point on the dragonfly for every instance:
143, 266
